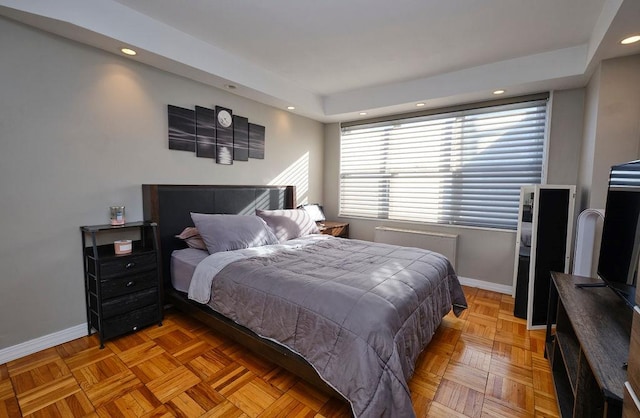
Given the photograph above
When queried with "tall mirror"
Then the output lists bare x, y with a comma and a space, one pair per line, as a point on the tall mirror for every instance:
543, 243
523, 252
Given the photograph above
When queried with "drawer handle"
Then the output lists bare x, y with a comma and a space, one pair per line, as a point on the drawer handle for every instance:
131, 283
130, 265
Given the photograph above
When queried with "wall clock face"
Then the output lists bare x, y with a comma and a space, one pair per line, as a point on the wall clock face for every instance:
224, 135
224, 118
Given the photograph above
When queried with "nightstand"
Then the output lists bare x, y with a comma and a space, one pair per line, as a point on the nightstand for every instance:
123, 291
337, 229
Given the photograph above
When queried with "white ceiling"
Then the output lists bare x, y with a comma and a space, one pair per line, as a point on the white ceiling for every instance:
333, 46
333, 59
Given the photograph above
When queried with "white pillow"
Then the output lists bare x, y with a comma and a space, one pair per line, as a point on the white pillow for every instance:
288, 224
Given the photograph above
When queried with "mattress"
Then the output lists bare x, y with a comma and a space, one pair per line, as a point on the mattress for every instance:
183, 264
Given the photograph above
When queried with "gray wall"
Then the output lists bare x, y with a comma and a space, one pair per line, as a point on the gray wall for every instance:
82, 129
565, 133
612, 129
611, 132
587, 154
483, 254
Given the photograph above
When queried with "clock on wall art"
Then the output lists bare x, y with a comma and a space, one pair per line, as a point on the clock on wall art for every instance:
215, 133
224, 135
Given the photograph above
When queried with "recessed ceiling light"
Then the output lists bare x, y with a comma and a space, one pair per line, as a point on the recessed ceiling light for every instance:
498, 92
291, 107
363, 113
128, 51
419, 104
630, 40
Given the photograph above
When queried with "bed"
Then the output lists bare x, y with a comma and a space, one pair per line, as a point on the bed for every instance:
303, 303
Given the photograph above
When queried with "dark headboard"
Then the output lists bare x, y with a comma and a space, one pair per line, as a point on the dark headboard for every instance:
170, 206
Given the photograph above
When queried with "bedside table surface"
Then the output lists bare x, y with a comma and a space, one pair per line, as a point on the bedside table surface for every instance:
105, 227
331, 224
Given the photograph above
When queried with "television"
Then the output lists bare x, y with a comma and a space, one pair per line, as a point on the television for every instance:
620, 244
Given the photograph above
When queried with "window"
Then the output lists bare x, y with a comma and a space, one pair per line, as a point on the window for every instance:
459, 168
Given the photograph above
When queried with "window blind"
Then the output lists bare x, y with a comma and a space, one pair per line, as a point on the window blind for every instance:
459, 168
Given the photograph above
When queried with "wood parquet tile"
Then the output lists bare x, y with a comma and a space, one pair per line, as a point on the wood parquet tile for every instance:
460, 398
483, 364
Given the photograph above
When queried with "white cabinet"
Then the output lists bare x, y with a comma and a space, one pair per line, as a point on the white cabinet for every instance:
543, 245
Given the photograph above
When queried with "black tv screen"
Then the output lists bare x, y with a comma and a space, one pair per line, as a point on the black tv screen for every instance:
620, 244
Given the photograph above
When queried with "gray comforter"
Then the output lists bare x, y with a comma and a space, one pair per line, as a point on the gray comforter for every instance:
359, 312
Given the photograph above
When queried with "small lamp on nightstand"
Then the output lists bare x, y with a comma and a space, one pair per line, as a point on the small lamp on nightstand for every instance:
315, 211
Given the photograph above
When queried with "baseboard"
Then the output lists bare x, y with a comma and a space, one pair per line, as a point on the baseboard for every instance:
41, 343
481, 284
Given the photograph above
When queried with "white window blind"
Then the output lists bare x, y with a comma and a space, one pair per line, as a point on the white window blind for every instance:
459, 168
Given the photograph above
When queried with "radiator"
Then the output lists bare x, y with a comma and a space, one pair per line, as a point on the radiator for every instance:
445, 244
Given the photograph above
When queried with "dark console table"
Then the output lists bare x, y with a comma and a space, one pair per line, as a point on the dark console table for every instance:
589, 347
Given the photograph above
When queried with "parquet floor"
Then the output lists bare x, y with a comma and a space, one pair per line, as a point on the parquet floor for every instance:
483, 364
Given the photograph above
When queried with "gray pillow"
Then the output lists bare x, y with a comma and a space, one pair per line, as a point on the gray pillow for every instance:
232, 232
289, 223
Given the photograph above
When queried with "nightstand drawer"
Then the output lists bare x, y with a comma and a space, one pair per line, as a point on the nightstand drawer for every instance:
127, 265
127, 303
121, 286
131, 321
